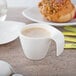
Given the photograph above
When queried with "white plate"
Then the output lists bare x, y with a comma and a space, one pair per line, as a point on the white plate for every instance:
9, 31
34, 15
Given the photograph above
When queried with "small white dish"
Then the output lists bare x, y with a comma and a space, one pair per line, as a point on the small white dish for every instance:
35, 15
17, 75
5, 69
9, 31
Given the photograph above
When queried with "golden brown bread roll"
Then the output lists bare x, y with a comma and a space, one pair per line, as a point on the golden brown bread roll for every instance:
75, 11
57, 10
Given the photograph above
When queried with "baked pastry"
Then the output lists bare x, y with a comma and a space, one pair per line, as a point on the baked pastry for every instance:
57, 10
75, 14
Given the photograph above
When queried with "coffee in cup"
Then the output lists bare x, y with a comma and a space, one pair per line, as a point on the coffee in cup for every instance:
36, 32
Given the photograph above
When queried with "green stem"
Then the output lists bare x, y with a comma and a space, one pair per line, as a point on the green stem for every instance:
69, 28
70, 39
70, 46
69, 33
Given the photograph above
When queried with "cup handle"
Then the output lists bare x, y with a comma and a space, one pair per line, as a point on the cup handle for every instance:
58, 37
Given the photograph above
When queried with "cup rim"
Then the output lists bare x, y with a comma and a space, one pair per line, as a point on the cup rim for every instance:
42, 25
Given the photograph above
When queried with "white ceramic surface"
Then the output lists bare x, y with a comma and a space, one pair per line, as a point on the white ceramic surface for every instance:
2, 18
9, 31
35, 15
37, 48
5, 69
17, 75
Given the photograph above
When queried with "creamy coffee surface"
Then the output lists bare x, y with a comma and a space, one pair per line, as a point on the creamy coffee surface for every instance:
36, 32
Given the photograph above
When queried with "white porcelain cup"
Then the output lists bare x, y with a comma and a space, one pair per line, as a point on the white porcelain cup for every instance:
37, 48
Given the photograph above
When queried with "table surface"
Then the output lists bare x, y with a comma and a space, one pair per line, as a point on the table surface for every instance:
51, 65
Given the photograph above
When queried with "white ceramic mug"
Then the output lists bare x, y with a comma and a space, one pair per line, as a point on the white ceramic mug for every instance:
37, 48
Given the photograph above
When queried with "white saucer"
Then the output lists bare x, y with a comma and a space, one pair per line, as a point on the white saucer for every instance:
34, 15
9, 31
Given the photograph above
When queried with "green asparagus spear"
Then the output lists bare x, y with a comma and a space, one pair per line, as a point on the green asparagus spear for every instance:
69, 33
70, 39
70, 28
70, 46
